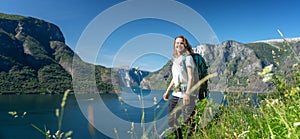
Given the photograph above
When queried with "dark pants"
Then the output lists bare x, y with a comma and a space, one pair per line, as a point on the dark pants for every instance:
176, 108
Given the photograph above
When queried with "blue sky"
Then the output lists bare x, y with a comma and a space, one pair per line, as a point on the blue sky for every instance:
241, 20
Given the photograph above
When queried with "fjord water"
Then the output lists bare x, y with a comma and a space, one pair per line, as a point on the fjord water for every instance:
41, 112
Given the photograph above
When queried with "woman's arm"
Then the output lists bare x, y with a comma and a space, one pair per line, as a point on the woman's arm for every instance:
186, 97
190, 79
166, 94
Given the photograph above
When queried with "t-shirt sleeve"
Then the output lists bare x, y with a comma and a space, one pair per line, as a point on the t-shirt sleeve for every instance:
190, 61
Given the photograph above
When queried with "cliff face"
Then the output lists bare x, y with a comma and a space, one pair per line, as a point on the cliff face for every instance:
236, 66
43, 31
130, 77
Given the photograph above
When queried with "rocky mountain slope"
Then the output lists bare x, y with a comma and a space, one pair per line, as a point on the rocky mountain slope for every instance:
236, 64
35, 59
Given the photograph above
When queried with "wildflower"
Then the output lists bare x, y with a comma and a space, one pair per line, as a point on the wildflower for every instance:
289, 135
132, 126
24, 113
121, 100
68, 134
295, 65
268, 69
267, 77
297, 124
137, 68
274, 101
57, 112
115, 130
295, 90
273, 52
13, 113
154, 100
57, 133
266, 73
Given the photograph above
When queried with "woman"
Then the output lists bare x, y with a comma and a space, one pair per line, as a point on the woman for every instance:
184, 77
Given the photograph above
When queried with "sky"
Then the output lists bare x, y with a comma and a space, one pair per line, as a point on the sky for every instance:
106, 32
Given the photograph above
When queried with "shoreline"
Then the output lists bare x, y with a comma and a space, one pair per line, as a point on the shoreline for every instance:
72, 92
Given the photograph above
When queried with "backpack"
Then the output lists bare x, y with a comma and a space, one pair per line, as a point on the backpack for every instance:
202, 72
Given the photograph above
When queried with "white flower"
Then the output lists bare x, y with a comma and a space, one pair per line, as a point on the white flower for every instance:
297, 124
154, 100
273, 52
268, 69
267, 77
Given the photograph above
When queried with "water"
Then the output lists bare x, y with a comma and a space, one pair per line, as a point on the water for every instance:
41, 112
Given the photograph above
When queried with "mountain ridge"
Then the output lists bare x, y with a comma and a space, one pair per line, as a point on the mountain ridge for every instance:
237, 65
35, 59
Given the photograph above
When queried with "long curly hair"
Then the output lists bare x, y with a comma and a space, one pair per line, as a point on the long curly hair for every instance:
187, 46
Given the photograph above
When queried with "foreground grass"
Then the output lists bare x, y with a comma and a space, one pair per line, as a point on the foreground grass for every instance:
276, 116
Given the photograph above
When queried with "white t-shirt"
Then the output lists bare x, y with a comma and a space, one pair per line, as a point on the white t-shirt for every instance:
179, 72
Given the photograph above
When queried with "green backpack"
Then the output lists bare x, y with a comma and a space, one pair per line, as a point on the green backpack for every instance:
202, 72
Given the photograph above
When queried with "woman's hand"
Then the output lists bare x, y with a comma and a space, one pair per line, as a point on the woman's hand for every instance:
186, 99
166, 96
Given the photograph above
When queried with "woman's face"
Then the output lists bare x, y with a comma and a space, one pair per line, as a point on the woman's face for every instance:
179, 45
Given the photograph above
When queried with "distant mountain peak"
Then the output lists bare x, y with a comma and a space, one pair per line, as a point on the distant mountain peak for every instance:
280, 40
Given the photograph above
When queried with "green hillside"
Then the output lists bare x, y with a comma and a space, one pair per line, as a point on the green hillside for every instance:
35, 59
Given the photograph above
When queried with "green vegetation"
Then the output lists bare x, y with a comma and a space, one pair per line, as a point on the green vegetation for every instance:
63, 53
11, 17
40, 61
263, 51
237, 81
53, 80
102, 76
277, 116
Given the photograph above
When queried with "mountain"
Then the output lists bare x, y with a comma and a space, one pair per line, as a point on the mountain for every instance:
237, 64
130, 77
35, 59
